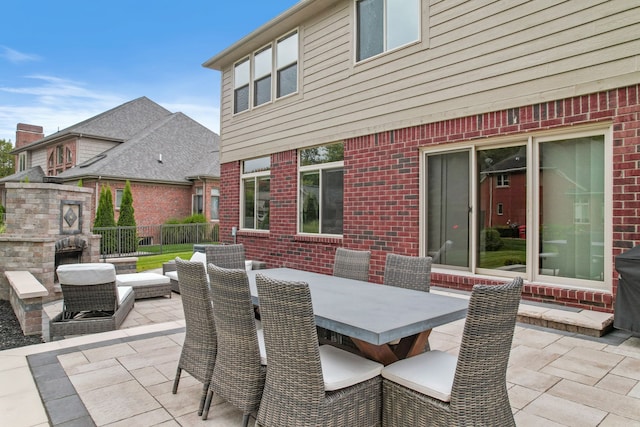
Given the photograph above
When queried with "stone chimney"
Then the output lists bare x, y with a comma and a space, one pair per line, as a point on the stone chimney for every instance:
26, 134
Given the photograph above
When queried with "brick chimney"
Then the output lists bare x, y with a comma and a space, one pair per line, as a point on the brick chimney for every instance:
26, 134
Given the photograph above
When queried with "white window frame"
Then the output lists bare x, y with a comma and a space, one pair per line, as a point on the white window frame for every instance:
275, 69
385, 48
532, 143
313, 168
118, 201
194, 201
502, 180
256, 177
22, 161
215, 195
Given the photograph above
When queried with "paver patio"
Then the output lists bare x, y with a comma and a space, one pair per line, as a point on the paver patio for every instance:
125, 377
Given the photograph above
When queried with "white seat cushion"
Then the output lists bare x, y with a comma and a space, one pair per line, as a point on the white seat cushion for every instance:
86, 274
141, 279
342, 369
263, 351
173, 275
123, 292
429, 373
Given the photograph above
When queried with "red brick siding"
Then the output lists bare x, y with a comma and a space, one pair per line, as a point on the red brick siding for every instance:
381, 205
153, 203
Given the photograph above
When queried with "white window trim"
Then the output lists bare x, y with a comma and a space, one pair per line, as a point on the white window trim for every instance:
311, 168
422, 16
274, 74
531, 141
254, 176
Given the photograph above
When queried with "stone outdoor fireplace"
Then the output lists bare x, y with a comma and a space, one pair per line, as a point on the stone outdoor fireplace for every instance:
46, 225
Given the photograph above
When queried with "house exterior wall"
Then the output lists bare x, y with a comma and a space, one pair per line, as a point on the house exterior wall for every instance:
88, 148
150, 209
473, 57
382, 191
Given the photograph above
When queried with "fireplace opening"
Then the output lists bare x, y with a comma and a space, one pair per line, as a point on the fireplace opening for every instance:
68, 251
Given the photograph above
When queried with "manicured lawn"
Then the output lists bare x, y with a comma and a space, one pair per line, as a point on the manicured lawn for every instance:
155, 261
513, 252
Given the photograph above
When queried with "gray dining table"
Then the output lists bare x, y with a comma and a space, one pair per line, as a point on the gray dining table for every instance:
372, 315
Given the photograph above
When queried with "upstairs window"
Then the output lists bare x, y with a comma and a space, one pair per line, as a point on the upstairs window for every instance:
22, 162
287, 64
272, 69
384, 25
241, 86
262, 76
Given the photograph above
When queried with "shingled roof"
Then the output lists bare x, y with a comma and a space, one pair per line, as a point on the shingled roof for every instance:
170, 150
154, 145
118, 124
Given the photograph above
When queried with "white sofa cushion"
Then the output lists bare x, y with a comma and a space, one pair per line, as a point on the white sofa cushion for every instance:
172, 275
123, 292
429, 373
90, 273
342, 369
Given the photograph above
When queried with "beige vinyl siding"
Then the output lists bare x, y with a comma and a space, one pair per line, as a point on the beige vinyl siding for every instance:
89, 148
475, 56
39, 158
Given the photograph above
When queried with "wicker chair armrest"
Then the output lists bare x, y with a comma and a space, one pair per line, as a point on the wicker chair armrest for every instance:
169, 266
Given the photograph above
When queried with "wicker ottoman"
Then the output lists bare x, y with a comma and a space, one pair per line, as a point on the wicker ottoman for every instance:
146, 285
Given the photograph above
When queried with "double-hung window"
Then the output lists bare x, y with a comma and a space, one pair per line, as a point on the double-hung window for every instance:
287, 65
119, 194
320, 200
272, 69
256, 193
262, 65
384, 25
241, 77
549, 223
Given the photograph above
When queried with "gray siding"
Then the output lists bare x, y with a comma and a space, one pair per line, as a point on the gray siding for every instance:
475, 56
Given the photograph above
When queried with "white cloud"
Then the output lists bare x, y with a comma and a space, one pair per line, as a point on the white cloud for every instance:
56, 103
16, 57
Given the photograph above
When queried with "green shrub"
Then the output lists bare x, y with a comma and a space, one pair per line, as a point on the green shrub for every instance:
490, 240
128, 238
105, 218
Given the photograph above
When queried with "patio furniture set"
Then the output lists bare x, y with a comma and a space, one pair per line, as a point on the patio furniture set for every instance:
279, 371
280, 368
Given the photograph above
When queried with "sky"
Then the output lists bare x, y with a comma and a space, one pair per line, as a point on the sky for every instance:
62, 62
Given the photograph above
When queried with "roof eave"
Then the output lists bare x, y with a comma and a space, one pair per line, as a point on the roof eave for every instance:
284, 22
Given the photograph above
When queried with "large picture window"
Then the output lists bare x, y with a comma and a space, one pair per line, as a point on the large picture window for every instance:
548, 223
321, 189
256, 193
385, 25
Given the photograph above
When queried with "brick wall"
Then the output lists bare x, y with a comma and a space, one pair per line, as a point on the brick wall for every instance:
381, 205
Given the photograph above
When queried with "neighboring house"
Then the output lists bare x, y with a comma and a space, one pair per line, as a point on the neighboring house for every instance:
171, 161
369, 120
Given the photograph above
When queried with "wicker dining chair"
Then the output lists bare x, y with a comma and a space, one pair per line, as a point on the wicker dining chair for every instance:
239, 371
200, 343
408, 272
351, 264
436, 388
226, 256
307, 384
